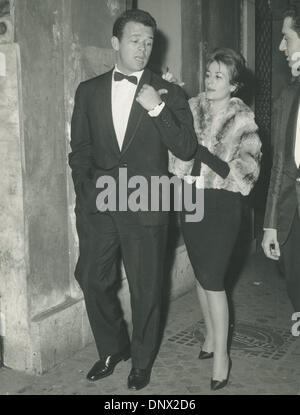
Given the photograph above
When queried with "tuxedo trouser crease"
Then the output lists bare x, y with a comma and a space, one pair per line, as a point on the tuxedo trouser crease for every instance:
143, 251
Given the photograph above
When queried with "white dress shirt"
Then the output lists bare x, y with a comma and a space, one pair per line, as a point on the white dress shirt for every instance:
297, 143
122, 95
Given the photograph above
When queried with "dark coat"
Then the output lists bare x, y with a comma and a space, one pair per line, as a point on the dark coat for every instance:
282, 200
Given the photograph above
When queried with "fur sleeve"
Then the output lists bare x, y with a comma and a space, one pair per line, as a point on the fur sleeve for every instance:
179, 167
245, 165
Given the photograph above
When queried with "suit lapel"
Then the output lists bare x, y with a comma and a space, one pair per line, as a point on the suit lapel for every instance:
103, 98
136, 114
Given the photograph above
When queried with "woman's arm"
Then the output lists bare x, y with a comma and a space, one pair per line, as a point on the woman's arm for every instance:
203, 155
245, 166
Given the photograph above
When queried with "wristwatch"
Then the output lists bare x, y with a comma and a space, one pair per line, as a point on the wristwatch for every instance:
157, 109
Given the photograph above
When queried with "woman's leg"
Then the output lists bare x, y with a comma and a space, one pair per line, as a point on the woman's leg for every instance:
218, 307
208, 345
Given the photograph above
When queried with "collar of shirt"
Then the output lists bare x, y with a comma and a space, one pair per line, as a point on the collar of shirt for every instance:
122, 96
138, 74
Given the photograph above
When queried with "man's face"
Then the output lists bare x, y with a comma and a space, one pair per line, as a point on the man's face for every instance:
134, 48
290, 43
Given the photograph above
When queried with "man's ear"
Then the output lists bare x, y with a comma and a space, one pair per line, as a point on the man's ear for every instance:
115, 43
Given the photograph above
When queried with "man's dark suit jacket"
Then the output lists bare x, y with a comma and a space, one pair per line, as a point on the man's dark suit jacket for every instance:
95, 150
282, 200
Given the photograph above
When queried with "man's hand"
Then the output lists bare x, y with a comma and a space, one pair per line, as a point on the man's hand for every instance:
149, 98
270, 244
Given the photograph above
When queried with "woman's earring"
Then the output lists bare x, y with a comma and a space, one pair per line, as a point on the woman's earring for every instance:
235, 90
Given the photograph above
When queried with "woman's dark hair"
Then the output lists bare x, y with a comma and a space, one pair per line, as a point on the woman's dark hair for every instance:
235, 64
294, 12
134, 15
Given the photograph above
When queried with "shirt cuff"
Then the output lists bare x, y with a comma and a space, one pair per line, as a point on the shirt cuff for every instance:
269, 229
157, 110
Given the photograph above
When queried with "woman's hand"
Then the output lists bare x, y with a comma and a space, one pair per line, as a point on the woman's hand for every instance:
168, 76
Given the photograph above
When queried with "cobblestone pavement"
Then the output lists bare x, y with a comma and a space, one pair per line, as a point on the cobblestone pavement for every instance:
265, 354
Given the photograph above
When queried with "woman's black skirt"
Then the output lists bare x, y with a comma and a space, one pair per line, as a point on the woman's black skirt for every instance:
210, 242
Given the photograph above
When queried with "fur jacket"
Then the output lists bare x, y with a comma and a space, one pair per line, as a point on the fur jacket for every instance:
231, 136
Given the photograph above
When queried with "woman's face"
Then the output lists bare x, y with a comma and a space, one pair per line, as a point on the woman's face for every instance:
217, 82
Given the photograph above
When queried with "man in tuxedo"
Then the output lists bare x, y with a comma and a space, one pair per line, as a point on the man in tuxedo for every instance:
282, 219
128, 119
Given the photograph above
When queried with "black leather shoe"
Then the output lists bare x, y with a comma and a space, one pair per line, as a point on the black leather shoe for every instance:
138, 378
105, 367
205, 355
219, 384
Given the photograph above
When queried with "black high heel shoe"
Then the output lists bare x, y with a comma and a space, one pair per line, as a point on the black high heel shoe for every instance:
219, 384
205, 355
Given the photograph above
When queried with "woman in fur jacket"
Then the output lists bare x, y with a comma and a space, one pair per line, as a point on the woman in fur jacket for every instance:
228, 163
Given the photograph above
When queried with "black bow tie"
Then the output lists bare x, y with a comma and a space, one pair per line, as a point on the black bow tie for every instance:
120, 76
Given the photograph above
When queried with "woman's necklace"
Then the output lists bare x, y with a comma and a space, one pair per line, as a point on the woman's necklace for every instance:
215, 111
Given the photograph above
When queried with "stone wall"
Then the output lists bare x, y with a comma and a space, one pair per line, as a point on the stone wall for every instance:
167, 48
49, 47
13, 240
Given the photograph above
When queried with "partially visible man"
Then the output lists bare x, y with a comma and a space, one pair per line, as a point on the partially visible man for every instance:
282, 219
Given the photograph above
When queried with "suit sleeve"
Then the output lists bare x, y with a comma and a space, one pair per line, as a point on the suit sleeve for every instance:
80, 156
271, 214
175, 123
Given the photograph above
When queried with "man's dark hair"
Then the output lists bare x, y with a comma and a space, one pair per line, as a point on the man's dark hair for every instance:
135, 15
294, 12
